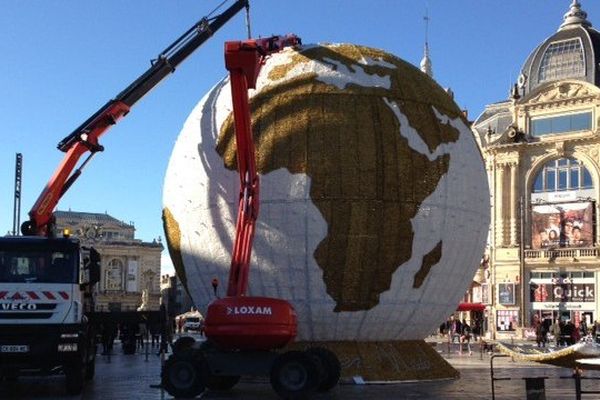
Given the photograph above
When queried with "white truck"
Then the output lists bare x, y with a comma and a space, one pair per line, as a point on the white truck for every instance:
46, 286
46, 295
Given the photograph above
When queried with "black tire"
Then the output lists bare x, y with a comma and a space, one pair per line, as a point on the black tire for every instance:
182, 344
294, 375
221, 383
183, 376
330, 367
74, 375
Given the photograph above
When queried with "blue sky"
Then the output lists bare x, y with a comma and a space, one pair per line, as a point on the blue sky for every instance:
62, 60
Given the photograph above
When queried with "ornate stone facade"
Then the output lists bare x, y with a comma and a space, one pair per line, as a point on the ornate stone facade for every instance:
541, 148
129, 266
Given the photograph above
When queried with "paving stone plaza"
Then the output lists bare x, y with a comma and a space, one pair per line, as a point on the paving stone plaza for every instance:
137, 376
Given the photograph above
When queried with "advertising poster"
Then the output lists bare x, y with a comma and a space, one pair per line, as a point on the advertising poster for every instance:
132, 276
476, 294
562, 292
507, 320
506, 293
485, 293
540, 292
562, 225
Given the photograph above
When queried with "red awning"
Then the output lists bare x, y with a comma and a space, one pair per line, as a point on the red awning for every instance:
470, 307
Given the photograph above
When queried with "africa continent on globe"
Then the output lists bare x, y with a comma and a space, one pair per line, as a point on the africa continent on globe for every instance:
374, 198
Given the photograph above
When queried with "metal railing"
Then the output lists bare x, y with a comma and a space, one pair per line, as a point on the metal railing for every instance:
553, 254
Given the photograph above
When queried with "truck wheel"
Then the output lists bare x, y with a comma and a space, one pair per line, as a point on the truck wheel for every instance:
74, 379
183, 376
221, 383
182, 344
294, 375
329, 367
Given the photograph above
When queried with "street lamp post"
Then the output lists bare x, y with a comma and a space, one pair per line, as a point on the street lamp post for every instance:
522, 279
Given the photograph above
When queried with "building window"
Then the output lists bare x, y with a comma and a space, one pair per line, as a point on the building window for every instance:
561, 124
562, 60
507, 320
562, 174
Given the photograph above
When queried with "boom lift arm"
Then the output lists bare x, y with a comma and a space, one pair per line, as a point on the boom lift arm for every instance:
85, 138
243, 60
244, 332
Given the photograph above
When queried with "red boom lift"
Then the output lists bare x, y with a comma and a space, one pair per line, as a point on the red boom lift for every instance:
243, 331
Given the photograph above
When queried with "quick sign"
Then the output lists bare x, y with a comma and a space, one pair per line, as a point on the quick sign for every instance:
18, 306
572, 292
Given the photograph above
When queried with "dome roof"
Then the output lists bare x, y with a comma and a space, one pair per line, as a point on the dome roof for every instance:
573, 52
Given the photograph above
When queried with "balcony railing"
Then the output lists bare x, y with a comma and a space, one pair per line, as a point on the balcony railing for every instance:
553, 254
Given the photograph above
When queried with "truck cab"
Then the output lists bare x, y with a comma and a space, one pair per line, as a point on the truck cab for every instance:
46, 289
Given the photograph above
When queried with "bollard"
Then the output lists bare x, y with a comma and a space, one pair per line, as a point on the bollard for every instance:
481, 350
535, 388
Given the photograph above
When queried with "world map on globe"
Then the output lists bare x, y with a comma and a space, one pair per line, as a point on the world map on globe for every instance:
371, 183
367, 168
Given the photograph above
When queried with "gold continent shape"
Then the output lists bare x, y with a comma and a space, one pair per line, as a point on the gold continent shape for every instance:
366, 180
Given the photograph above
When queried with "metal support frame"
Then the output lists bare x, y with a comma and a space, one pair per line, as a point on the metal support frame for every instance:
578, 377
492, 378
17, 200
535, 388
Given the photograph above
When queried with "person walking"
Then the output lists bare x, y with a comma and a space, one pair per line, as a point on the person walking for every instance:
155, 333
556, 332
141, 334
583, 328
455, 329
568, 332
476, 330
541, 335
596, 331
465, 336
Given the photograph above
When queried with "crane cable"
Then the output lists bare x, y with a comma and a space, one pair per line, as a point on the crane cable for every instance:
247, 16
216, 8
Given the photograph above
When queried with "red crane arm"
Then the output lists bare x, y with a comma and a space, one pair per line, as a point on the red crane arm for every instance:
41, 213
85, 137
243, 60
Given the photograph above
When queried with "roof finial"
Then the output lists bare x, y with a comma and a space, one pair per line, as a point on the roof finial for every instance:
426, 62
575, 17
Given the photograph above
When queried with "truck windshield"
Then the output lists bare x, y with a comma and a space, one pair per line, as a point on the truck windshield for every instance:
40, 266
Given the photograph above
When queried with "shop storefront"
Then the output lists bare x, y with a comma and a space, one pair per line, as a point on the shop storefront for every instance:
570, 295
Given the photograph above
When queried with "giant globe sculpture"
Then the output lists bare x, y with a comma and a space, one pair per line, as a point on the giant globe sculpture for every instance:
374, 197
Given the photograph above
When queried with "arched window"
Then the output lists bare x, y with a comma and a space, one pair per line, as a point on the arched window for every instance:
113, 278
562, 60
562, 174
